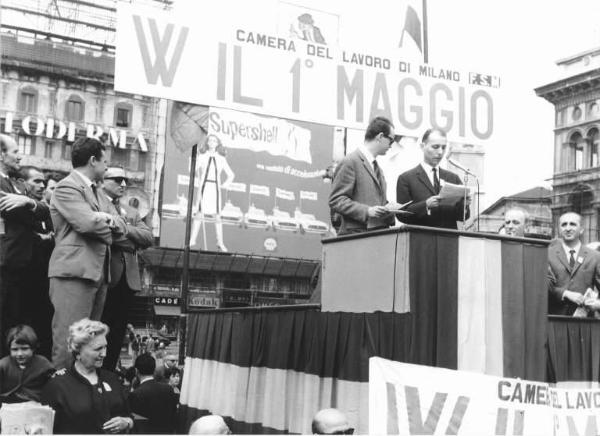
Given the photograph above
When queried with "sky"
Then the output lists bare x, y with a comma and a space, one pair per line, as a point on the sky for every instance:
520, 41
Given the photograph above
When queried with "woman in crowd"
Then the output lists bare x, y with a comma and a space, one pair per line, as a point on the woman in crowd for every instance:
87, 399
23, 373
173, 376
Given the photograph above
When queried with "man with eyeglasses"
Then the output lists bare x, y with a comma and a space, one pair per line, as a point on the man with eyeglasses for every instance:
124, 269
422, 186
358, 191
515, 220
331, 421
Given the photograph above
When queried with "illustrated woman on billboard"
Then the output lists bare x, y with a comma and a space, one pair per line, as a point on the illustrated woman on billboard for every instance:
210, 168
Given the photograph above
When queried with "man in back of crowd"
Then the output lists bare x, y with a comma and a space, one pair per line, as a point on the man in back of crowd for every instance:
155, 401
358, 191
422, 186
169, 361
331, 421
39, 309
18, 213
124, 269
573, 268
515, 221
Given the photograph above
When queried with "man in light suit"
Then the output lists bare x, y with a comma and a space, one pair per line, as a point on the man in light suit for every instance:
18, 215
422, 184
573, 268
124, 269
358, 187
78, 268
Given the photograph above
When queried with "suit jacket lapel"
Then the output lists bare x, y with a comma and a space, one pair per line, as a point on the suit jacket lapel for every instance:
562, 257
424, 179
583, 252
88, 193
369, 168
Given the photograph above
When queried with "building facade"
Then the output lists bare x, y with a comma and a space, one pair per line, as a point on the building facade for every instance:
576, 99
54, 92
537, 202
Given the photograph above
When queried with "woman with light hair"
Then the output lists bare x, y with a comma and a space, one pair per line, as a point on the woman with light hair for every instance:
86, 398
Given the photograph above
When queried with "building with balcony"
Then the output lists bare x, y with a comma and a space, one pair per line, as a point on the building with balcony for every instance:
576, 99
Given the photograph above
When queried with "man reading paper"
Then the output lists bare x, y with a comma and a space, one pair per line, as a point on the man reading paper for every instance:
358, 187
422, 186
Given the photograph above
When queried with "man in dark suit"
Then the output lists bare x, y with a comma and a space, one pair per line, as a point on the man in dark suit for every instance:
39, 310
358, 187
154, 402
17, 237
422, 184
573, 269
124, 269
84, 231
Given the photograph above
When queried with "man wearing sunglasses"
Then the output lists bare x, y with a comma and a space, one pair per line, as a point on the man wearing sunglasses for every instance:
124, 269
358, 191
331, 421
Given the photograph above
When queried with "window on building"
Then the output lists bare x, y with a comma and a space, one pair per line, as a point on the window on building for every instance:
123, 116
66, 150
26, 144
575, 158
28, 100
48, 149
594, 143
75, 109
576, 113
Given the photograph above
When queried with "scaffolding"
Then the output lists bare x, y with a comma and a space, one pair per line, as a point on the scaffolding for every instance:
77, 22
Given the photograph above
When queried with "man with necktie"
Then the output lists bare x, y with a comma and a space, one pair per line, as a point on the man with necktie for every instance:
573, 268
18, 214
358, 186
78, 268
124, 269
422, 186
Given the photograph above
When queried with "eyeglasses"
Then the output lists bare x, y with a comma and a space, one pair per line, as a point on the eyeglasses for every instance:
392, 140
118, 180
515, 222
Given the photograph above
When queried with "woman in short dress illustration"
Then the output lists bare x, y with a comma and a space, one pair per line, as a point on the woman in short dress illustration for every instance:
210, 166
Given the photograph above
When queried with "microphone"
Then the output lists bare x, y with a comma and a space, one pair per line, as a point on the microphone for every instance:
460, 167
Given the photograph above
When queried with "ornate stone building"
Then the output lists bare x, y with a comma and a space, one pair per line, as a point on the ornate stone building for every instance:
576, 99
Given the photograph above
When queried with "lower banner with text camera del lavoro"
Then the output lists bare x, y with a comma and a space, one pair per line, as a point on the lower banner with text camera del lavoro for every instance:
259, 186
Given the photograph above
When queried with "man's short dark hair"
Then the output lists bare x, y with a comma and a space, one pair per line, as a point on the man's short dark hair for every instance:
26, 171
84, 149
376, 126
23, 335
428, 133
145, 364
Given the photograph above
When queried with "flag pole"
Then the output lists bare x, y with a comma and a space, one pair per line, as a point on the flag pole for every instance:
425, 36
185, 273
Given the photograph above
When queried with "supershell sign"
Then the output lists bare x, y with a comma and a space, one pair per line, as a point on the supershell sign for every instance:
261, 72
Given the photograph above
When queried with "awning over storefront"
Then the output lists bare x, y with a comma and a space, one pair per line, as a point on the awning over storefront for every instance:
232, 262
167, 310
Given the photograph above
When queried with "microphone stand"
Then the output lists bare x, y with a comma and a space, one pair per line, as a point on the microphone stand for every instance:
478, 193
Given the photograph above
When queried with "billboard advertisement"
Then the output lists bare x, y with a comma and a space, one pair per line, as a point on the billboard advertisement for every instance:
259, 186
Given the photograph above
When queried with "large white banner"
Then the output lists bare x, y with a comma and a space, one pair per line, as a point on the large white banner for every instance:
420, 400
260, 71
